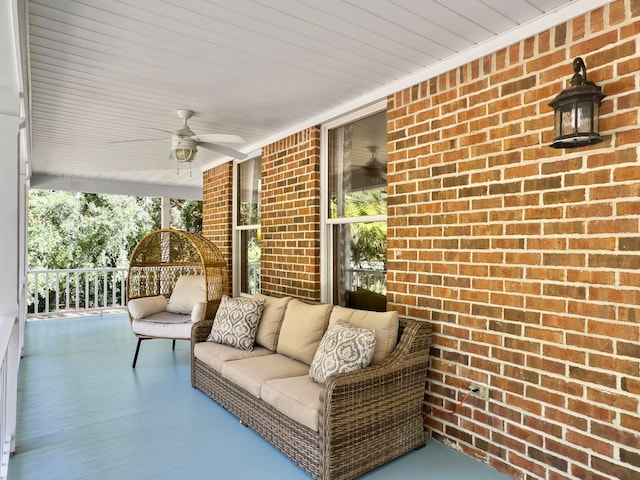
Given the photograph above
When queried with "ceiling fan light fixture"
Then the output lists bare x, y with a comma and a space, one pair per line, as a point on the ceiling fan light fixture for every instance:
183, 154
183, 149
375, 171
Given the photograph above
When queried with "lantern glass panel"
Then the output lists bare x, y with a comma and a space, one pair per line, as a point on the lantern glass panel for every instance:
567, 119
584, 117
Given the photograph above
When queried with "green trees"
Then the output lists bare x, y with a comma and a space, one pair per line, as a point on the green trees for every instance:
80, 230
75, 230
88, 231
368, 239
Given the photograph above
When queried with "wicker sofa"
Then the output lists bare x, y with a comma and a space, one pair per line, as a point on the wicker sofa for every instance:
340, 429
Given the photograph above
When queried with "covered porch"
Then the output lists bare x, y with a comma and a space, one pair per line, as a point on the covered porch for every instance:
524, 258
86, 414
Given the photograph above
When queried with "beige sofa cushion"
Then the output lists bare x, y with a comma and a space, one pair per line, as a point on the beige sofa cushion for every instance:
296, 397
188, 290
385, 324
250, 373
145, 306
215, 354
272, 315
302, 329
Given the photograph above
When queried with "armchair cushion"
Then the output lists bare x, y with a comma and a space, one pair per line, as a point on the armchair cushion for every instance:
343, 348
188, 290
199, 311
146, 306
236, 322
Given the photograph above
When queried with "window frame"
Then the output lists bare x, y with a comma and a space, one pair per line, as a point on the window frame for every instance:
236, 240
326, 223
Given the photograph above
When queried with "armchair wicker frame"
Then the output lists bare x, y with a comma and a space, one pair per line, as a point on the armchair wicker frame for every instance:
162, 256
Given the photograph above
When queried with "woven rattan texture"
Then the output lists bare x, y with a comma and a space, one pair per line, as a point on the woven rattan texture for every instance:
299, 443
368, 417
164, 255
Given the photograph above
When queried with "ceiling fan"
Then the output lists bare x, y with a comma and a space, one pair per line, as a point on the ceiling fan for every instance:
375, 171
185, 143
364, 176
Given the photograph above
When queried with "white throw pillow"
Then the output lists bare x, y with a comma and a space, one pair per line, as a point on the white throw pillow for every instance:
188, 290
343, 348
146, 306
236, 322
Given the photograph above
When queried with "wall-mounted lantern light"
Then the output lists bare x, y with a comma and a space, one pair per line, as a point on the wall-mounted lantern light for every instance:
577, 110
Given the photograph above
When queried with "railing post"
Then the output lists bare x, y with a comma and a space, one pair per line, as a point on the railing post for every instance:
86, 290
123, 292
66, 290
46, 289
36, 297
57, 306
9, 355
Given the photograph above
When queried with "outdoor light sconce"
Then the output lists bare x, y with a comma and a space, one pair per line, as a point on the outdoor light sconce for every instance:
577, 110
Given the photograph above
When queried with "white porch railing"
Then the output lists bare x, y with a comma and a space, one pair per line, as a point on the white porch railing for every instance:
374, 280
74, 290
9, 353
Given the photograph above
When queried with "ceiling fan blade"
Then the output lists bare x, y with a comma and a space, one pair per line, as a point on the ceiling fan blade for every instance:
161, 130
218, 138
136, 140
224, 150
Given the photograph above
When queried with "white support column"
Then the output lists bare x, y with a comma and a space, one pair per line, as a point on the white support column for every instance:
12, 198
9, 199
165, 221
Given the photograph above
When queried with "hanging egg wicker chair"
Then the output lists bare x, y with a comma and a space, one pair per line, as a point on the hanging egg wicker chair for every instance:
159, 259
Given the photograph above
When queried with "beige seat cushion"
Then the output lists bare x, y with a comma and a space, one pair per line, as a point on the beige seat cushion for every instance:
385, 324
164, 325
251, 373
272, 315
296, 397
302, 329
215, 354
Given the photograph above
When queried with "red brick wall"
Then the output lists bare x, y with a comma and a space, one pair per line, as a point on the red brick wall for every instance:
290, 216
217, 210
526, 259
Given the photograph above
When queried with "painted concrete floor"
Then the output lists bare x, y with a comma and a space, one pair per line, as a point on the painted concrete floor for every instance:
84, 413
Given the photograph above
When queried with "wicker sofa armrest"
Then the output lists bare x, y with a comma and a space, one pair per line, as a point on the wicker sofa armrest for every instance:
372, 415
200, 331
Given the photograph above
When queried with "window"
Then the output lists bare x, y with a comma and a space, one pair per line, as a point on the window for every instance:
356, 212
247, 225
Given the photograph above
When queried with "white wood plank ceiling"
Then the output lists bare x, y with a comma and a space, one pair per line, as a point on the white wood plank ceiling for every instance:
109, 70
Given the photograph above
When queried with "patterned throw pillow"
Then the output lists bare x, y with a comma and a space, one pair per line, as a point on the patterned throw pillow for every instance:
236, 322
343, 348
